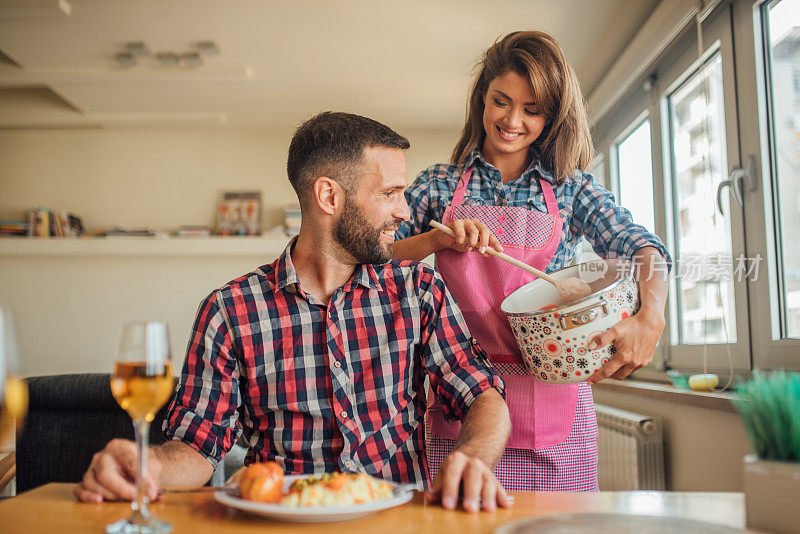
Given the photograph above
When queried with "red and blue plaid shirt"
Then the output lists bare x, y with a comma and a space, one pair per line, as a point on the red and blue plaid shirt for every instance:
327, 388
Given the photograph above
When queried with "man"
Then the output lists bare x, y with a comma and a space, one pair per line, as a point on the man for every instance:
320, 357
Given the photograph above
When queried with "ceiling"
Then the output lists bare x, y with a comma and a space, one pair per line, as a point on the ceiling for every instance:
408, 63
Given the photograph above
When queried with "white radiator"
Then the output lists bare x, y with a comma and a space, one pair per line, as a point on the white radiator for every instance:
630, 451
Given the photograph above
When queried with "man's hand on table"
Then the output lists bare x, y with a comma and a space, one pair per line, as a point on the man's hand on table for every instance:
112, 474
480, 488
481, 441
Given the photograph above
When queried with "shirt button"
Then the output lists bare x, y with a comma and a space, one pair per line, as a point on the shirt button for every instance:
344, 415
348, 464
337, 364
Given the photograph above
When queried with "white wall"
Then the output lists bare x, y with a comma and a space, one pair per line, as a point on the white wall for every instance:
69, 309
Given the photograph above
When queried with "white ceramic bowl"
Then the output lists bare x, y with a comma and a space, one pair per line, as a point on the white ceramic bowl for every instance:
553, 336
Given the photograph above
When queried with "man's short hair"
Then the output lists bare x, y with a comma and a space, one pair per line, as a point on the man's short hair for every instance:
332, 144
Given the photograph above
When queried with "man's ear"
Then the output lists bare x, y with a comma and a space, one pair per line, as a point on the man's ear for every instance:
327, 194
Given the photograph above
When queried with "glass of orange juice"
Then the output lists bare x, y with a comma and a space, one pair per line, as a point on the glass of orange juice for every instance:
141, 384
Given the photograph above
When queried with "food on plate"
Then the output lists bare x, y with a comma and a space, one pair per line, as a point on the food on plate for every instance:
337, 489
263, 482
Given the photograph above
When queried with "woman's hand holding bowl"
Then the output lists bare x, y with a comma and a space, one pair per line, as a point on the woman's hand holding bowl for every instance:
635, 340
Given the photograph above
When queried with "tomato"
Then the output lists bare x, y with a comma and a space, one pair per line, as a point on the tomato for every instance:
262, 482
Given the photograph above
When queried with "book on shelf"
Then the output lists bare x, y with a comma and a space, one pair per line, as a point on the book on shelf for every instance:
44, 222
13, 227
31, 223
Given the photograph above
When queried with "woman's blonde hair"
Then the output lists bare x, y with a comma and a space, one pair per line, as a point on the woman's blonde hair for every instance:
565, 144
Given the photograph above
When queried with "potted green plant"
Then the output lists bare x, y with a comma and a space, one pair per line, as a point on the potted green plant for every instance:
769, 404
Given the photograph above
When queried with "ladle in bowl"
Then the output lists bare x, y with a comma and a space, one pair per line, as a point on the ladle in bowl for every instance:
570, 289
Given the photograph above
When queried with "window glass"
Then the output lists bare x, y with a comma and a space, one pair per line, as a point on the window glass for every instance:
635, 167
783, 30
703, 235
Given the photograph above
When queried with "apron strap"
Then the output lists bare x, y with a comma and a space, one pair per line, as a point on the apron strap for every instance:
549, 197
461, 188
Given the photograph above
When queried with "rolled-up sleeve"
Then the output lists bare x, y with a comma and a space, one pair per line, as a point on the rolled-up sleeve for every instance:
458, 368
608, 227
203, 413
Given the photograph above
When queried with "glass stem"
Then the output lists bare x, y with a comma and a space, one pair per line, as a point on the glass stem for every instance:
140, 504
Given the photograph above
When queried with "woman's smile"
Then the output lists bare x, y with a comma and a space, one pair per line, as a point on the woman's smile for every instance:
508, 135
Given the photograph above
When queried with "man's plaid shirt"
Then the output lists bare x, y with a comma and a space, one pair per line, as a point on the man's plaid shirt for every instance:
588, 209
318, 388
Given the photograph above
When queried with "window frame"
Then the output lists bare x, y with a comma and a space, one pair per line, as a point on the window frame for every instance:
599, 162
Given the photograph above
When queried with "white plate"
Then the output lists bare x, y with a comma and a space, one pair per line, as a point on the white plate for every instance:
320, 514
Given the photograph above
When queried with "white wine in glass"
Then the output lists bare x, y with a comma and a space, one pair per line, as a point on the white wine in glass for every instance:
139, 392
141, 384
13, 389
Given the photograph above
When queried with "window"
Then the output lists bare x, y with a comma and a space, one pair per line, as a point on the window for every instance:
635, 175
705, 298
782, 36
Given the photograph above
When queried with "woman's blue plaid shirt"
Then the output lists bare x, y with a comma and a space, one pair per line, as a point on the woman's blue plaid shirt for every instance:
587, 208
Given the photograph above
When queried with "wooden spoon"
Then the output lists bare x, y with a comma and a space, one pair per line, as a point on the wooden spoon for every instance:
569, 288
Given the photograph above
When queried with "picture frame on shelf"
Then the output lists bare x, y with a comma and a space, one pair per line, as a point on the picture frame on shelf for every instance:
239, 213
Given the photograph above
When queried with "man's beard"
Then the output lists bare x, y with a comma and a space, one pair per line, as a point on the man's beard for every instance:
358, 237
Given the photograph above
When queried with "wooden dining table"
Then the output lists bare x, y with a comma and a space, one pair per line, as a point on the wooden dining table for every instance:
53, 508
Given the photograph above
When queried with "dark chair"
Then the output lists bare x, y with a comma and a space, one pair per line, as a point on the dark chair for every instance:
70, 417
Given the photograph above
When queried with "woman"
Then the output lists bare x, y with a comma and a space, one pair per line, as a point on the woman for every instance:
516, 182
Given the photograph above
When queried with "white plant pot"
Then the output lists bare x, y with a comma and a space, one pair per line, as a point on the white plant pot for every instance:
772, 495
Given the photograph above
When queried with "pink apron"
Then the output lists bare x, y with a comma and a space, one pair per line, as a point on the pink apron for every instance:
542, 415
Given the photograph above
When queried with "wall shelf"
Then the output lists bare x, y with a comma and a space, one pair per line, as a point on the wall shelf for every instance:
269, 246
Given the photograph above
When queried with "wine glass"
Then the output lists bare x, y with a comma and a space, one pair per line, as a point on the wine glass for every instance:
13, 389
141, 384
